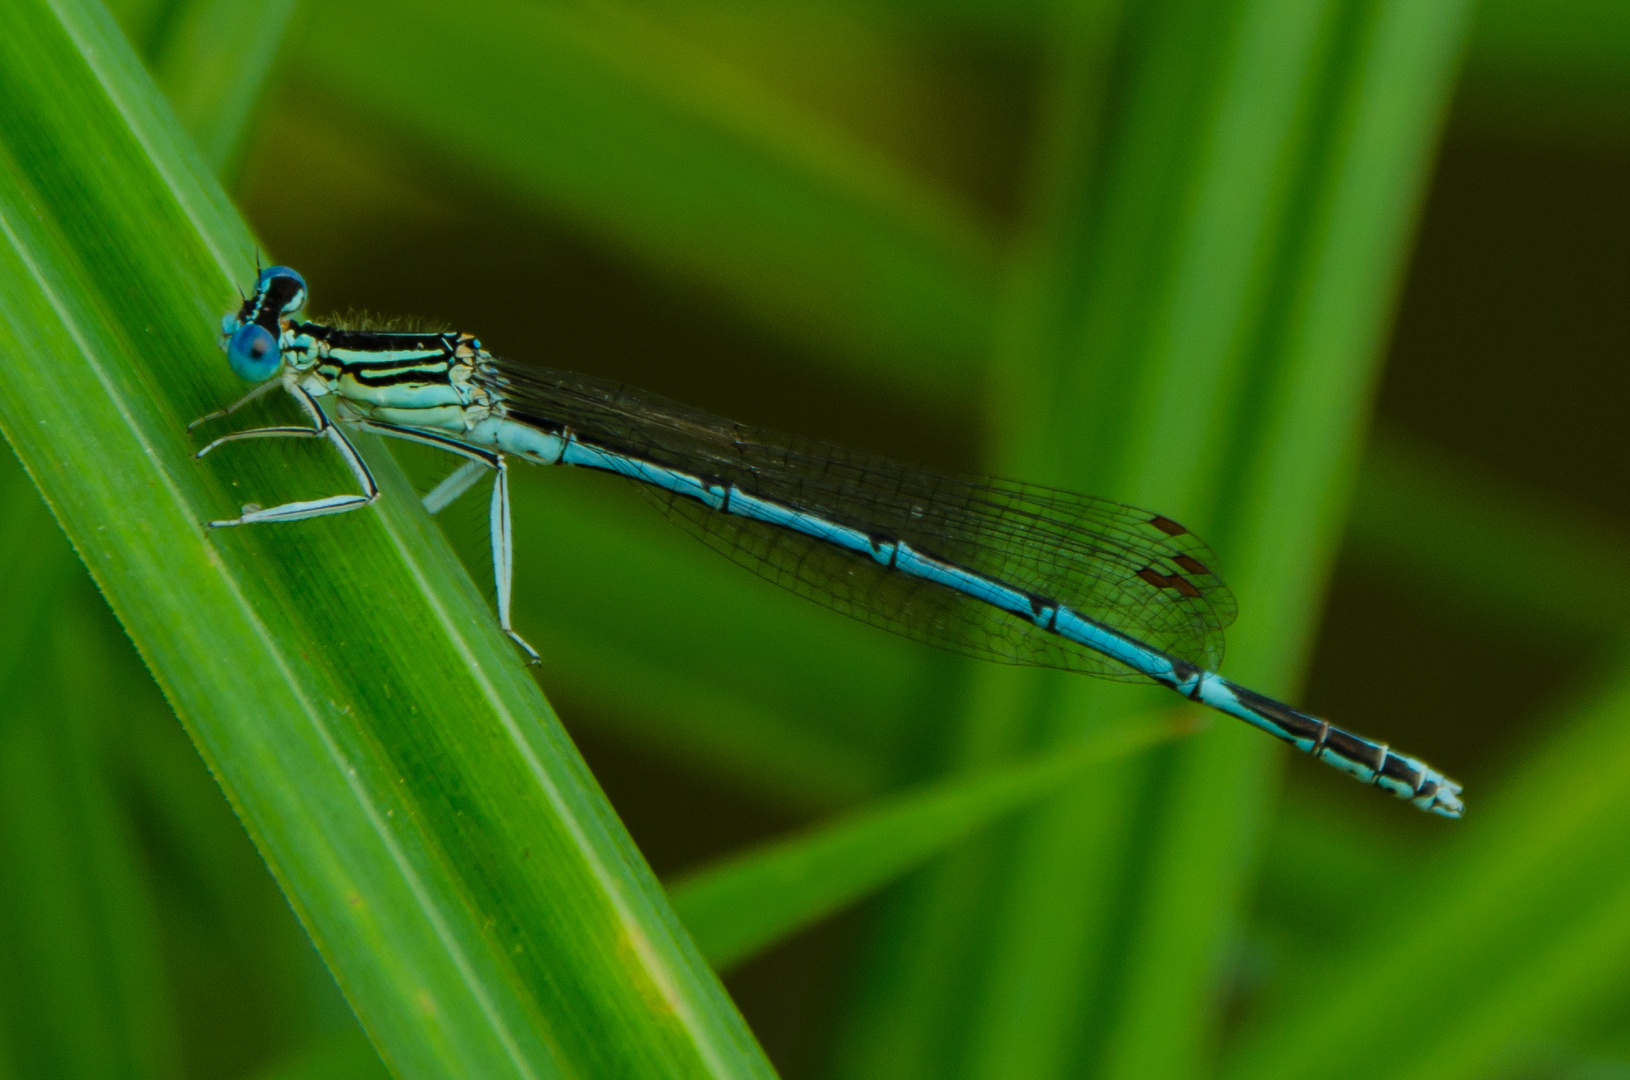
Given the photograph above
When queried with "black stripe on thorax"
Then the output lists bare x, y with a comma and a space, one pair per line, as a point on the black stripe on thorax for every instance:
378, 341
392, 373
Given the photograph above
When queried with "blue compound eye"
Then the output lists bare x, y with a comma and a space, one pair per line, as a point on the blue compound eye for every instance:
284, 289
253, 354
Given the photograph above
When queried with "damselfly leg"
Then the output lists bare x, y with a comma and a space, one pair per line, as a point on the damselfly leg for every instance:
321, 428
253, 395
457, 483
478, 462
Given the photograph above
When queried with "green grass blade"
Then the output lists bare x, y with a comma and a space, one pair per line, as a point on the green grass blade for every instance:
443, 843
755, 898
1260, 179
1546, 66
1203, 165
591, 113
1208, 160
216, 64
86, 993
1390, 95
207, 955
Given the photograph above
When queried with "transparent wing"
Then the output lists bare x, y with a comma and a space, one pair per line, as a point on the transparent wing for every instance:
1131, 569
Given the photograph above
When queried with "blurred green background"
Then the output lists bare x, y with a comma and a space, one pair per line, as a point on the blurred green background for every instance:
989, 237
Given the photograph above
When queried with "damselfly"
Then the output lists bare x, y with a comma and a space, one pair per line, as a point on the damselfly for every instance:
990, 568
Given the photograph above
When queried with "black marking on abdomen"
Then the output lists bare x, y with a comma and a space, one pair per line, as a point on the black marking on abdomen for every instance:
709, 483
894, 550
1298, 724
1184, 670
1354, 748
1397, 769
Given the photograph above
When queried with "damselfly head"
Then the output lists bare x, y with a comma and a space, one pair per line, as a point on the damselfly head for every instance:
253, 353
250, 334
280, 292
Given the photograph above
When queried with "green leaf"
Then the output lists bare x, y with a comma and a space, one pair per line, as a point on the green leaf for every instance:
1550, 66
86, 993
1390, 87
113, 822
755, 898
216, 64
435, 830
1200, 323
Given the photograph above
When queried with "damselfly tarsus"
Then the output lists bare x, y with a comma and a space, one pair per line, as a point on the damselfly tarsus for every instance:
989, 568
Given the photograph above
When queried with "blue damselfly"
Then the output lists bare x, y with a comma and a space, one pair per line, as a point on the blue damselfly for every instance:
989, 568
